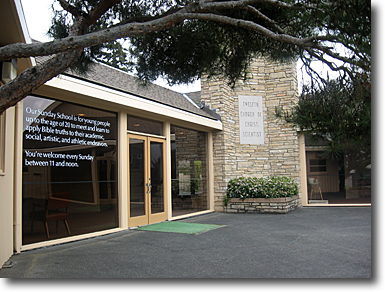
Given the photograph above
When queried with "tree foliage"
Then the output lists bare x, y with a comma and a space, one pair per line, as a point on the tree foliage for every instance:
338, 114
196, 47
182, 39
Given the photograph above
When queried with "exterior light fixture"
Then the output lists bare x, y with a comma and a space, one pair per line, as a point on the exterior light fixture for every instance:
8, 70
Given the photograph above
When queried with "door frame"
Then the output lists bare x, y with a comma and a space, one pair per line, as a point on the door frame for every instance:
148, 217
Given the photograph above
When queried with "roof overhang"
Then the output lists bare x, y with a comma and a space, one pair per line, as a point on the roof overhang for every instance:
71, 89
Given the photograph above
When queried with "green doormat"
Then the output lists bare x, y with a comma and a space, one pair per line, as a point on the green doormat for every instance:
180, 227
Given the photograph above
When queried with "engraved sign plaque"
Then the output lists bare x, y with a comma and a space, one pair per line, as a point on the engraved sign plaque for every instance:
251, 120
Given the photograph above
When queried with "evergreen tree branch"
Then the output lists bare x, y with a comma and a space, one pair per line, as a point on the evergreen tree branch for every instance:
191, 11
308, 27
100, 9
32, 78
264, 17
69, 8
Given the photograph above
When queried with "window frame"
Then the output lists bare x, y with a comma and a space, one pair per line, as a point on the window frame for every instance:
318, 164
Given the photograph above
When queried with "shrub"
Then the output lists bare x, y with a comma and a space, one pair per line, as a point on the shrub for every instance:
252, 187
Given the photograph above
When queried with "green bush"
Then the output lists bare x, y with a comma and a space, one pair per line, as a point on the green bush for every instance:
252, 187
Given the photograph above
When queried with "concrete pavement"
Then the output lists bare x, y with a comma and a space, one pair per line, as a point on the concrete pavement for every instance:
312, 242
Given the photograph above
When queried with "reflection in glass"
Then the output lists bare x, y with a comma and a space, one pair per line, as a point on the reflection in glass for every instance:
136, 124
68, 149
337, 180
137, 177
157, 186
188, 171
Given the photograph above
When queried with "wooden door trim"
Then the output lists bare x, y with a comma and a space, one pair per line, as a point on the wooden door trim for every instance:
148, 218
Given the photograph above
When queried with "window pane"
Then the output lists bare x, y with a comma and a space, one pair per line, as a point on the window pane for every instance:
137, 178
188, 171
157, 186
318, 162
68, 149
317, 168
141, 125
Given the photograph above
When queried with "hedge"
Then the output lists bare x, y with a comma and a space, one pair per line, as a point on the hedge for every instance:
252, 187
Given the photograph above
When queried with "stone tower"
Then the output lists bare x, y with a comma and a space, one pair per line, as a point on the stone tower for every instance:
272, 148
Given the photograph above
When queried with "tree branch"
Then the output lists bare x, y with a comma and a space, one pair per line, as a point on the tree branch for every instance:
100, 9
69, 8
331, 65
305, 42
209, 10
264, 17
32, 78
136, 29
242, 3
191, 11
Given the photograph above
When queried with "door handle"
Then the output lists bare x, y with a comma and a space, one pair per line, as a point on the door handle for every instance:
148, 188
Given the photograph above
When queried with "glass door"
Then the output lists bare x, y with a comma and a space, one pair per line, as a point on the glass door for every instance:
146, 177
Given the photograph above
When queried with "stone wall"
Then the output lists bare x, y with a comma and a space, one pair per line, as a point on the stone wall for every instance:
279, 155
261, 205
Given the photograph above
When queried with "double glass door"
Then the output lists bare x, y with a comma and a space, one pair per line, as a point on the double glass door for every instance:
146, 177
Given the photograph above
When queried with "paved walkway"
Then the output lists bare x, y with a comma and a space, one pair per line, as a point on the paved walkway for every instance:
314, 242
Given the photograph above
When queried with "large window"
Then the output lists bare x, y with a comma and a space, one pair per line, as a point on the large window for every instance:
188, 171
69, 169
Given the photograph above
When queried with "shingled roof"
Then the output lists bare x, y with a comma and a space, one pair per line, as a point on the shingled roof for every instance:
116, 79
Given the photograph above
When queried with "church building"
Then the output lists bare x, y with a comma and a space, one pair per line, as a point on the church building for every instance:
112, 154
